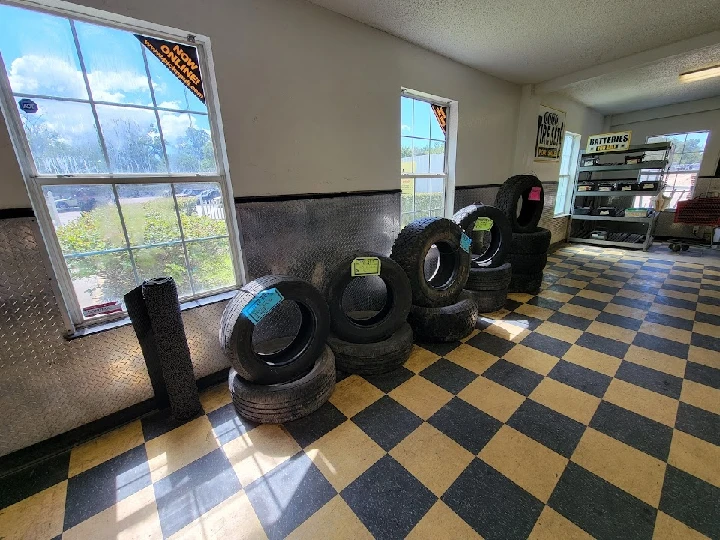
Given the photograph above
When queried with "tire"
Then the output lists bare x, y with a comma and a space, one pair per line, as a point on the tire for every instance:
528, 263
236, 332
285, 402
516, 189
381, 325
534, 242
525, 283
489, 301
500, 233
373, 358
448, 323
489, 279
410, 249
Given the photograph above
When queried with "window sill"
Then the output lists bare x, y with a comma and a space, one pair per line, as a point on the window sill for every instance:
184, 306
557, 216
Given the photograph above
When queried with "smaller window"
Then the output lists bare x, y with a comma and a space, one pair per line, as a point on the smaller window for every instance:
568, 164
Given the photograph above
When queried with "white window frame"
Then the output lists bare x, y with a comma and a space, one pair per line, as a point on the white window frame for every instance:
70, 307
450, 151
570, 177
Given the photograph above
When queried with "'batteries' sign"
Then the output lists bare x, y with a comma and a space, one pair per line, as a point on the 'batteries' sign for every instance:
607, 142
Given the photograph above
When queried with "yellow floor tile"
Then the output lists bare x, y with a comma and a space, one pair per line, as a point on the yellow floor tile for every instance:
572, 283
597, 361
580, 311
334, 520
701, 396
669, 528
534, 311
595, 295
566, 400
260, 450
623, 466
133, 518
492, 398
667, 332
432, 457
641, 401
619, 273
421, 396
673, 311
532, 359
507, 330
672, 365
613, 332
686, 274
705, 357
441, 523
179, 447
471, 358
635, 295
555, 295
681, 283
586, 273
617, 309
711, 293
529, 464
559, 331
553, 526
232, 519
690, 297
520, 297
353, 394
343, 454
608, 282
215, 397
420, 359
706, 329
88, 455
39, 516
708, 308
696, 457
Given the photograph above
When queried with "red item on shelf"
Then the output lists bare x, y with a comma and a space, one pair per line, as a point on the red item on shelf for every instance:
702, 211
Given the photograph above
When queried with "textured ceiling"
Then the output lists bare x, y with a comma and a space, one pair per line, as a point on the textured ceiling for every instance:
529, 42
652, 85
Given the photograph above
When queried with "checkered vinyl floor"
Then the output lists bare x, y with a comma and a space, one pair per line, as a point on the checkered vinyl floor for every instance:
589, 410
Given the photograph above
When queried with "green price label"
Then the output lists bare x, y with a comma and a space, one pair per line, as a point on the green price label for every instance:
483, 224
365, 266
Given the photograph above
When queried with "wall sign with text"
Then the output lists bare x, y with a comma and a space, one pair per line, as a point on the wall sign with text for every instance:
606, 142
549, 137
180, 59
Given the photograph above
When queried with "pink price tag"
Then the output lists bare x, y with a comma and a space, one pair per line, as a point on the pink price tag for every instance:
535, 194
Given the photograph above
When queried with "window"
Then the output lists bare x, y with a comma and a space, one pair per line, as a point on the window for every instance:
423, 158
121, 158
568, 165
686, 157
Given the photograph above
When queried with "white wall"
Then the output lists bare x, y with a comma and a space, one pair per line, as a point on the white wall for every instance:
310, 100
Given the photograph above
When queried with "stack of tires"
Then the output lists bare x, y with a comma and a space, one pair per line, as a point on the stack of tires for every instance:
490, 274
521, 199
441, 310
292, 377
374, 342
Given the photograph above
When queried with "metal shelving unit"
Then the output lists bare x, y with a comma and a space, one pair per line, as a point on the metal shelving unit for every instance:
659, 165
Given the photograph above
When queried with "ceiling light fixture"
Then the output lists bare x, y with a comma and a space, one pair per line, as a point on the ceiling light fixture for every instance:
700, 74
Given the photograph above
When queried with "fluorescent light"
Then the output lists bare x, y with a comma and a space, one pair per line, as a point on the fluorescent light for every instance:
700, 74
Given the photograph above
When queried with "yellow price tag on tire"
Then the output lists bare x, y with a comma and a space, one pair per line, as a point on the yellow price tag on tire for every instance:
483, 224
365, 266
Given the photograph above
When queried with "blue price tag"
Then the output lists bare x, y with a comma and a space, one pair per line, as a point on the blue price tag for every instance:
465, 242
262, 304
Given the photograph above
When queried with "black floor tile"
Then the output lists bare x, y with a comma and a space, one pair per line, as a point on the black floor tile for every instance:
565, 289
602, 288
618, 320
469, 427
511, 304
522, 321
584, 379
546, 303
387, 382
387, 422
643, 285
102, 486
491, 504
675, 302
710, 300
662, 262
698, 423
668, 320
661, 345
579, 323
546, 344
692, 501
632, 261
441, 349
684, 278
613, 277
601, 509
703, 374
604, 345
588, 303
388, 499
647, 378
309, 429
580, 277
288, 495
708, 318
161, 422
341, 375
706, 342
633, 429
491, 344
227, 425
34, 479
448, 375
631, 302
517, 378
550, 428
709, 287
679, 288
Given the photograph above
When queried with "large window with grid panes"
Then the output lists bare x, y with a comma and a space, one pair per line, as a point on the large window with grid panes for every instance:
568, 166
120, 148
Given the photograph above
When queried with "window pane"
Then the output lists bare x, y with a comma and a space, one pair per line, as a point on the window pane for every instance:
201, 210
132, 139
63, 138
164, 261
188, 142
421, 156
101, 278
211, 264
678, 142
406, 155
437, 157
39, 54
406, 116
149, 213
436, 131
114, 63
421, 119
170, 93
437, 188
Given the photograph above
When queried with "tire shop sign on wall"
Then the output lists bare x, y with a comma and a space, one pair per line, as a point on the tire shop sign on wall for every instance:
549, 137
